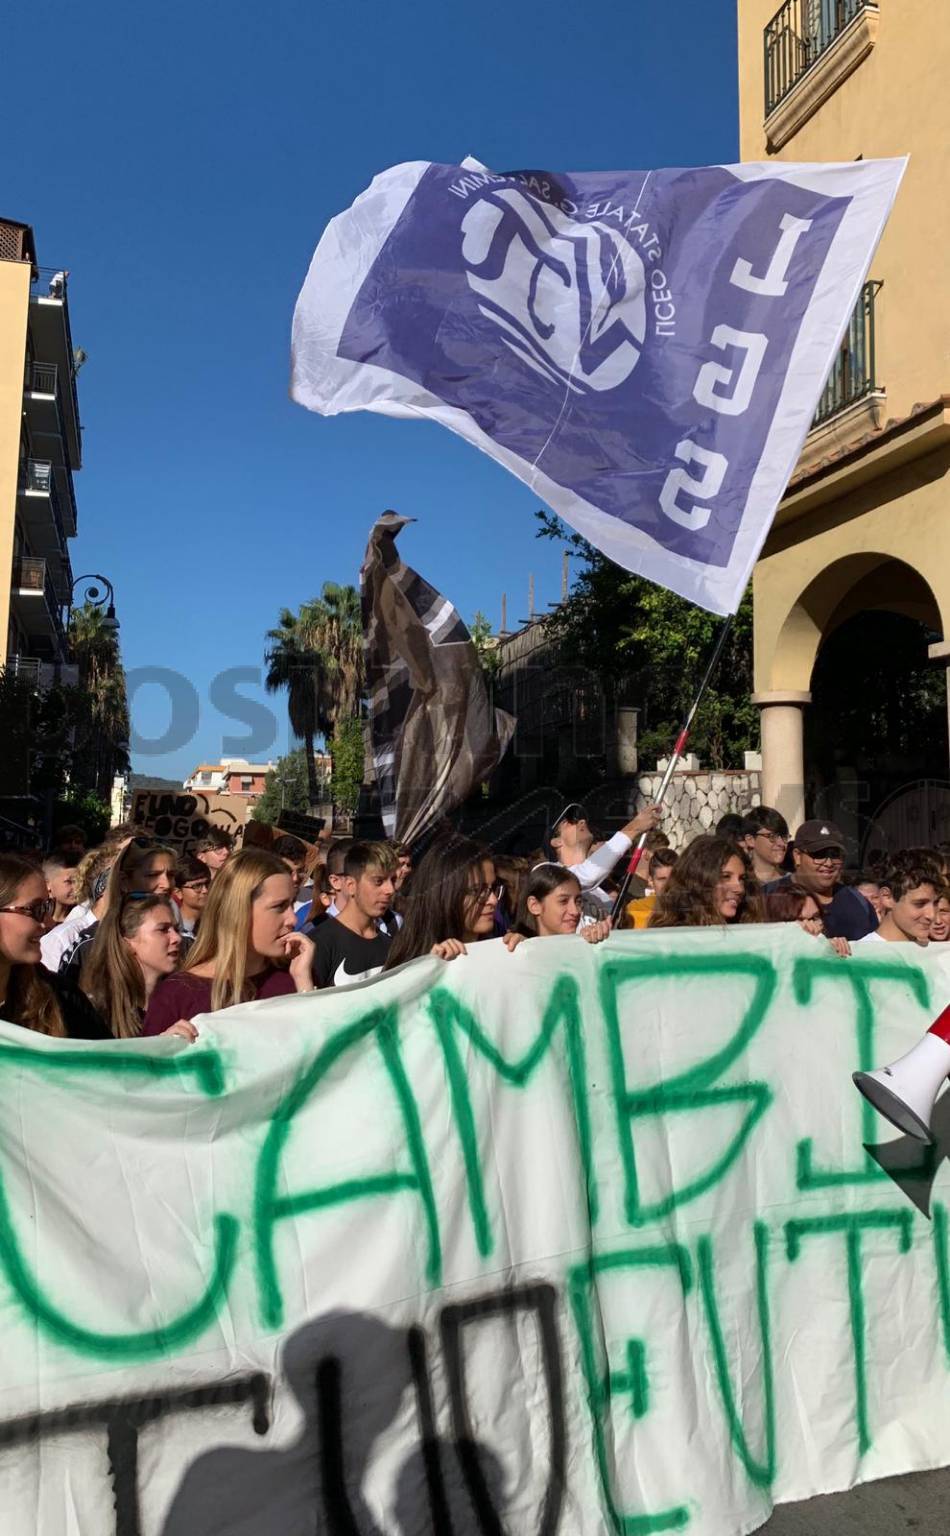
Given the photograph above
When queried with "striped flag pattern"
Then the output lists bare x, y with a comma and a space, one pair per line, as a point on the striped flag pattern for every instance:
433, 732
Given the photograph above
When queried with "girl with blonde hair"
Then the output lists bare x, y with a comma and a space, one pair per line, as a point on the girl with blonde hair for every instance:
246, 947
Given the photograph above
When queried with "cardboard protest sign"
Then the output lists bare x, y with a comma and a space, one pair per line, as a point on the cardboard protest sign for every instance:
182, 819
572, 1240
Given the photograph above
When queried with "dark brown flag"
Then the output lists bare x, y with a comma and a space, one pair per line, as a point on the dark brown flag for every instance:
434, 734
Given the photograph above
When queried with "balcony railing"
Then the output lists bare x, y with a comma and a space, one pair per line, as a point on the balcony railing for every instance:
797, 35
853, 375
42, 378
29, 574
25, 668
43, 674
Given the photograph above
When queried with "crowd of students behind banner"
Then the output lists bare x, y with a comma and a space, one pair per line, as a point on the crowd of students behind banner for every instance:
130, 938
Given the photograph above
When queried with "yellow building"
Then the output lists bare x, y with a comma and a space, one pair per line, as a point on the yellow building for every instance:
40, 447
865, 524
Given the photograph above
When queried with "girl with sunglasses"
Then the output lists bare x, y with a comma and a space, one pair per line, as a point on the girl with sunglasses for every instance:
136, 944
30, 995
451, 903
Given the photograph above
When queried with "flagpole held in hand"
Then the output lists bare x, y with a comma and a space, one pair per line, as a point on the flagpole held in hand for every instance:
677, 752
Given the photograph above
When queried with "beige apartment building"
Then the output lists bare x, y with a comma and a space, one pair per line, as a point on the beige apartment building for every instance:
865, 522
40, 449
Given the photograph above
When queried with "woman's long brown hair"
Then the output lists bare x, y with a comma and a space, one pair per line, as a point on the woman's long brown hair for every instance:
31, 1001
112, 977
689, 900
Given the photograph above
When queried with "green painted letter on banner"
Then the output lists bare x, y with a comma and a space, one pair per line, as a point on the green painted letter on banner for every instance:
271, 1208
34, 1293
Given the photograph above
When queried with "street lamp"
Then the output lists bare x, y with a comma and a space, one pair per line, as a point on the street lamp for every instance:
98, 598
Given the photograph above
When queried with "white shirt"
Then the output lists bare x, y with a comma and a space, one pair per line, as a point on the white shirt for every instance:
53, 945
597, 865
870, 938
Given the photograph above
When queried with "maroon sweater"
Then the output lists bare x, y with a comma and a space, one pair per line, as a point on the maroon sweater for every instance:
183, 995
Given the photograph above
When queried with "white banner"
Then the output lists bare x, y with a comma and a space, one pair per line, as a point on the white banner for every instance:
578, 1239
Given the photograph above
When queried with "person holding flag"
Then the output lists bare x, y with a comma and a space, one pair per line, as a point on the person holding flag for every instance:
570, 840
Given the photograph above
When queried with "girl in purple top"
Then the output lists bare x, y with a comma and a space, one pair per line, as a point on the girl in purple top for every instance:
246, 947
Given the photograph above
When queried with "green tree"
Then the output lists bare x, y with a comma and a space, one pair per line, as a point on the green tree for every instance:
486, 645
296, 665
101, 723
286, 788
346, 752
332, 625
649, 647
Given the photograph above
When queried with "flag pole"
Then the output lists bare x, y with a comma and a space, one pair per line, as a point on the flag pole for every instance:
677, 752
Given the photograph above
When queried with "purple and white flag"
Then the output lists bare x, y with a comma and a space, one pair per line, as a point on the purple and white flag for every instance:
645, 349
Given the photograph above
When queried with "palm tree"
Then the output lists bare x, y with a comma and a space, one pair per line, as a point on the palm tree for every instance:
294, 663
103, 705
333, 625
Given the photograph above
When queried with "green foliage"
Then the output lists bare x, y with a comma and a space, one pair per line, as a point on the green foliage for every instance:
316, 655
286, 788
100, 709
87, 811
486, 645
649, 647
346, 751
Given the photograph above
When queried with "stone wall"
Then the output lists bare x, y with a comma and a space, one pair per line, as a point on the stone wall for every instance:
696, 800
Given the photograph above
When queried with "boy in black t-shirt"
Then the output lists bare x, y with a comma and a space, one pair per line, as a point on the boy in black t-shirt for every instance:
350, 946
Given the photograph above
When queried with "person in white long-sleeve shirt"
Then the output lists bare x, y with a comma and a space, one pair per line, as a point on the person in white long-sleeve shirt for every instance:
571, 840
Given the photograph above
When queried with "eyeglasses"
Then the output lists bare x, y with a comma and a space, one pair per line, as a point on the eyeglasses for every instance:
479, 894
39, 911
773, 837
826, 856
197, 885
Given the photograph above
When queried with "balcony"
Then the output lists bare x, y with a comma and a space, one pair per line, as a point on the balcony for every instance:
48, 413
51, 340
38, 607
853, 402
810, 47
43, 674
853, 376
41, 511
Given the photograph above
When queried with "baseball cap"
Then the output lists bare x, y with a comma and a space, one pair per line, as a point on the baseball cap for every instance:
815, 835
574, 812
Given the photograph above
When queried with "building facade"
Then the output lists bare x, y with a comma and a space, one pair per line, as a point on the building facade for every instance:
40, 450
236, 776
864, 527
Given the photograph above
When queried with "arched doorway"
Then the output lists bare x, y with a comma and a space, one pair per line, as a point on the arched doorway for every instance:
876, 730
852, 706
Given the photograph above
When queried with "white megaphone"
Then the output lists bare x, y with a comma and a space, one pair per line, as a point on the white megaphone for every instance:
906, 1091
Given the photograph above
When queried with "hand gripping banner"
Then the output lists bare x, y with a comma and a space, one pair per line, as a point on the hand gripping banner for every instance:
645, 349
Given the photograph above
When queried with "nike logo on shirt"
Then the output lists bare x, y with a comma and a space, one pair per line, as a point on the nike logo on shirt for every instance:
344, 978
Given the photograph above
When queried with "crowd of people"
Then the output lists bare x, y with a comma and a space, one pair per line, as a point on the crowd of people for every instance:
133, 938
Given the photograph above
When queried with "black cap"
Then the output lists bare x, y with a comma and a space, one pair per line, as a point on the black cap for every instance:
815, 835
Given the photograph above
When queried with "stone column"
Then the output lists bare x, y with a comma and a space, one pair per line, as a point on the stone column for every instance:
783, 752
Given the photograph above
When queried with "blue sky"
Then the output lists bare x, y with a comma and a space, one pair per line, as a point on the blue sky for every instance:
182, 162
